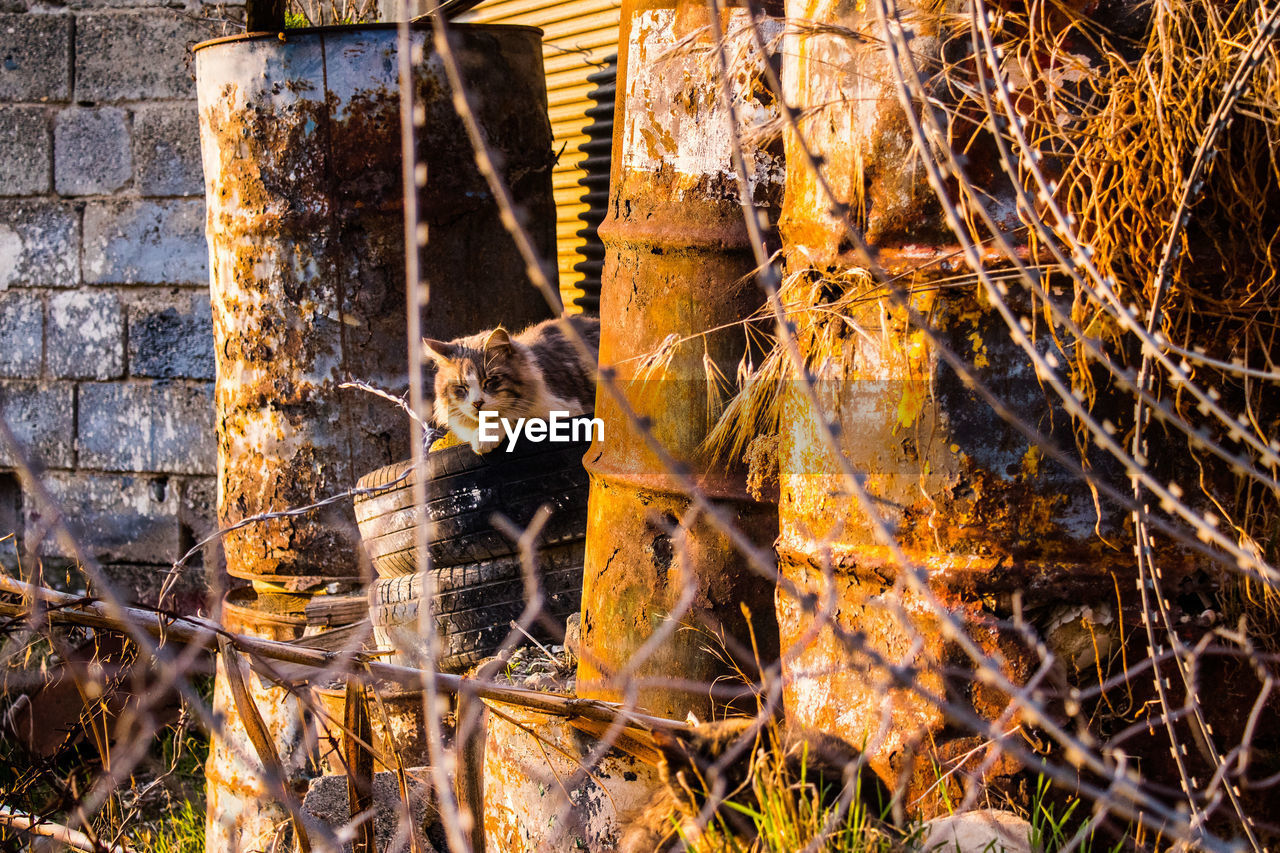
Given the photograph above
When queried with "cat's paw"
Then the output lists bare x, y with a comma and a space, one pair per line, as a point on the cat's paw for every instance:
480, 446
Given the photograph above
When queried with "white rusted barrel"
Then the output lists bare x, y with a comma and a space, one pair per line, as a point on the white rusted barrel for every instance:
542, 792
300, 137
396, 717
243, 814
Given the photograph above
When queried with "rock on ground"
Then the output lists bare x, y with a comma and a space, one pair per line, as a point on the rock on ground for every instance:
984, 831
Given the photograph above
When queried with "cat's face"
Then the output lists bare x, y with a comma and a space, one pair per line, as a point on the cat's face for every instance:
479, 373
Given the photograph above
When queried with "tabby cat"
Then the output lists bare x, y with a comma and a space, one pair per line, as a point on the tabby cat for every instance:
731, 750
528, 375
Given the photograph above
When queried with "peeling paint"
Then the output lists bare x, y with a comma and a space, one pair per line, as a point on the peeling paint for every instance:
675, 112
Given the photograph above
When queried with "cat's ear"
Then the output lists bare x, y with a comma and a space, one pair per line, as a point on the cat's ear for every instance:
438, 351
498, 339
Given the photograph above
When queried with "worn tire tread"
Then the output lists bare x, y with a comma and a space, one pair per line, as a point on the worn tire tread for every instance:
476, 602
468, 490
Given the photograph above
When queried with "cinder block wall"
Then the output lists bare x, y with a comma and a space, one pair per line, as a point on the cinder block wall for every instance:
106, 343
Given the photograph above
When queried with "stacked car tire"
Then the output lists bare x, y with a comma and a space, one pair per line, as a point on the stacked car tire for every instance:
478, 572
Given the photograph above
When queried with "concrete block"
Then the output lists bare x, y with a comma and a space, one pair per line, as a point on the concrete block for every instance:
42, 417
39, 244
166, 150
197, 520
198, 510
86, 335
21, 334
139, 55
26, 158
35, 57
91, 151
10, 520
156, 242
171, 337
117, 518
147, 426
142, 583
90, 5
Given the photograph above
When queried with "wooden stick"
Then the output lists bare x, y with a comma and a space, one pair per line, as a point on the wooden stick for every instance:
79, 610
73, 838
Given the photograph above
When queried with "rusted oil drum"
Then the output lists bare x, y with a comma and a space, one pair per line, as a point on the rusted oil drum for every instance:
531, 761
244, 814
843, 95
677, 264
395, 717
300, 138
846, 108
968, 497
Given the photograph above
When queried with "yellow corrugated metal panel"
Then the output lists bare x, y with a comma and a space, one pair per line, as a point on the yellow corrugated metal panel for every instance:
565, 10
569, 34
574, 58
580, 51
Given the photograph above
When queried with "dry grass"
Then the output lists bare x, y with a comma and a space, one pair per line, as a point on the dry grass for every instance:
822, 308
322, 13
1135, 134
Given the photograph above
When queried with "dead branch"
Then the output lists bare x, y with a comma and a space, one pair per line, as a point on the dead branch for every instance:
79, 610
73, 838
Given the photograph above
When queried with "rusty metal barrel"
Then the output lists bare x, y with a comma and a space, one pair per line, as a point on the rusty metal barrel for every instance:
677, 264
970, 499
396, 719
544, 790
300, 138
243, 812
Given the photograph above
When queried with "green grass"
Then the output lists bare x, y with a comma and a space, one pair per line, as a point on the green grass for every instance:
172, 818
787, 814
1052, 831
181, 832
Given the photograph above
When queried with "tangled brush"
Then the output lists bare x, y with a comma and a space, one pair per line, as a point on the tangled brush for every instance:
1158, 139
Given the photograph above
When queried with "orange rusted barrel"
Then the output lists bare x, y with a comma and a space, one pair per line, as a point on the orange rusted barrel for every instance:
966, 496
302, 158
677, 264
845, 105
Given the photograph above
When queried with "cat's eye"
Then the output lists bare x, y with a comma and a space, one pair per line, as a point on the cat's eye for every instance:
459, 392
492, 384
